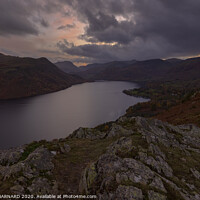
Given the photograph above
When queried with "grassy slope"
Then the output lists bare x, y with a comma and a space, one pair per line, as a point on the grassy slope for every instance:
68, 167
186, 112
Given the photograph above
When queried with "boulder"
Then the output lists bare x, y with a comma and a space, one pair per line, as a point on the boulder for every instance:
88, 133
118, 130
128, 193
155, 196
65, 148
17, 189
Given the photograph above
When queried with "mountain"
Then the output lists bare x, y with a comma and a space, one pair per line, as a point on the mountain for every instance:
101, 66
148, 70
67, 67
174, 60
128, 70
188, 69
98, 71
24, 77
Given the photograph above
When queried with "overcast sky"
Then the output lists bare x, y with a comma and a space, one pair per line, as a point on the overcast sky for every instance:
87, 31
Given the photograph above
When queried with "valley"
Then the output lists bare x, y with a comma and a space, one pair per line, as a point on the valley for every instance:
107, 160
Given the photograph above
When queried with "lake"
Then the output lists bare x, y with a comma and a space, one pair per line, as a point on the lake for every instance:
58, 114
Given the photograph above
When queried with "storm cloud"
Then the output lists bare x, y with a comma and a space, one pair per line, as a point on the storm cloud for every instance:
21, 17
66, 27
137, 29
106, 30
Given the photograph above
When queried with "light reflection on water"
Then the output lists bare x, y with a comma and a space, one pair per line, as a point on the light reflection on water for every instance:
58, 114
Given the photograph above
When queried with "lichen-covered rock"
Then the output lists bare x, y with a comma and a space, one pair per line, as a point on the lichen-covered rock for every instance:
138, 173
195, 173
38, 163
40, 186
137, 162
158, 183
10, 171
160, 165
190, 134
109, 164
88, 178
156, 131
118, 130
122, 145
111, 170
65, 148
127, 193
88, 133
11, 156
154, 149
40, 159
155, 196
21, 181
17, 189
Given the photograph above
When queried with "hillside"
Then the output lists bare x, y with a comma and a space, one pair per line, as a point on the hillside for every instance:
101, 71
131, 158
174, 60
128, 71
188, 69
101, 66
67, 67
162, 97
185, 112
149, 70
24, 77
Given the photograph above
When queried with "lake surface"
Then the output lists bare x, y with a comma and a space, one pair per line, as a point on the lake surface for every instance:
58, 114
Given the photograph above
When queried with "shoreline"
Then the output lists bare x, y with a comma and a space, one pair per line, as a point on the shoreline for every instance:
50, 139
36, 95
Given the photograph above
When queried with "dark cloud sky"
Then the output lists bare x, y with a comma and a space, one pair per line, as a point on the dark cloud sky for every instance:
22, 17
66, 27
102, 30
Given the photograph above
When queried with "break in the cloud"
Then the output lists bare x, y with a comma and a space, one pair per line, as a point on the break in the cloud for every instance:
102, 30
127, 29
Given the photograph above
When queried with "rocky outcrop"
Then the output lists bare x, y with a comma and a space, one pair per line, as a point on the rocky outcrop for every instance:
88, 133
141, 159
115, 130
32, 171
11, 156
145, 169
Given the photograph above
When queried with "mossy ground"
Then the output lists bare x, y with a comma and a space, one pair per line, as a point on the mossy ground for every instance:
30, 148
69, 167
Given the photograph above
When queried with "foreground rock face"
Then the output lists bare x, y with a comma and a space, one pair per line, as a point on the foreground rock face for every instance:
145, 164
147, 159
30, 173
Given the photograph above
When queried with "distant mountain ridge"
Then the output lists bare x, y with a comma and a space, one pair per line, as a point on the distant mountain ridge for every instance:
188, 69
67, 67
100, 65
126, 70
174, 60
148, 70
24, 77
